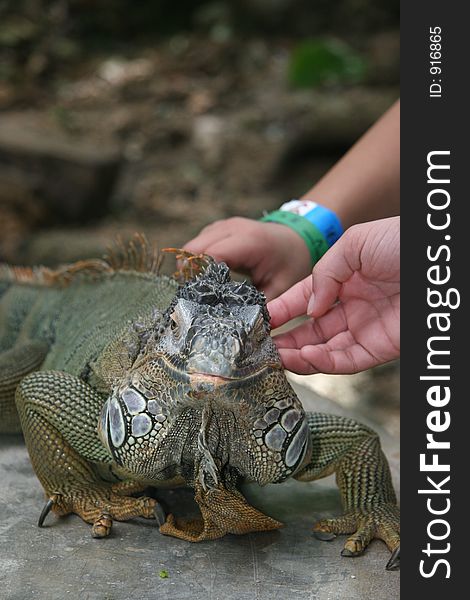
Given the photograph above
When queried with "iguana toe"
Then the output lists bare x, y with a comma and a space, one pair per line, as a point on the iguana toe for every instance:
380, 521
358, 542
102, 526
328, 529
324, 536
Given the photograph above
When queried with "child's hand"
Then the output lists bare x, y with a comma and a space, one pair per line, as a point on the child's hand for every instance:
273, 255
362, 271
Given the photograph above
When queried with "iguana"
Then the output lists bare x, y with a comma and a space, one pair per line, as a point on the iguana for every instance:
125, 378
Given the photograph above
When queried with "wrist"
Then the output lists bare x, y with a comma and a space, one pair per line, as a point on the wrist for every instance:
318, 226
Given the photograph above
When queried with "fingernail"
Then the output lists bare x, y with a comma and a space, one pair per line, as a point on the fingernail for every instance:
310, 304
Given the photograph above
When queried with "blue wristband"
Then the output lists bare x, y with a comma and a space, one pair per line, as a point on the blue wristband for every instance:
318, 226
323, 218
311, 235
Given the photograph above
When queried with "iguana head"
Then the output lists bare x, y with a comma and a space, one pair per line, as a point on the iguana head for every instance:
217, 331
208, 393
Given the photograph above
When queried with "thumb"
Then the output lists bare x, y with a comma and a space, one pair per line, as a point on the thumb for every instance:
328, 276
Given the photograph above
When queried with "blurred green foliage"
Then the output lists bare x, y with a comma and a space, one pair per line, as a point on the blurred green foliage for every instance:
38, 37
315, 61
16, 29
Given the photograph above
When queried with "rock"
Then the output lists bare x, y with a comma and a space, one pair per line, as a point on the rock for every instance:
264, 145
118, 72
208, 136
70, 176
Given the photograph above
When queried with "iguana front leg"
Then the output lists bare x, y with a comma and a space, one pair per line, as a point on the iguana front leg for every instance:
59, 415
16, 363
352, 451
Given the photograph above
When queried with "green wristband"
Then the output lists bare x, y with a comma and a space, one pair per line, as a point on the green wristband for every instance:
312, 236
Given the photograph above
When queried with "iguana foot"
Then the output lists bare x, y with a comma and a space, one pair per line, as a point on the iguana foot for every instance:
381, 521
222, 511
100, 505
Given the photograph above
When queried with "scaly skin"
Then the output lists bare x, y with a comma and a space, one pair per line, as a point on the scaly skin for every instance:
125, 379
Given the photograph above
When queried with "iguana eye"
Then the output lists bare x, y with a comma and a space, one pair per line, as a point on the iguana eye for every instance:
258, 329
257, 333
174, 324
181, 318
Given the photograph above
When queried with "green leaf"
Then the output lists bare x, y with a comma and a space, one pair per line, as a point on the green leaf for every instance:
163, 574
314, 62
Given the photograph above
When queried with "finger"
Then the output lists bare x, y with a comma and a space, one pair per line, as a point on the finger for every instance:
302, 335
330, 272
345, 360
239, 253
314, 331
342, 354
292, 303
325, 291
292, 360
271, 291
206, 238
317, 359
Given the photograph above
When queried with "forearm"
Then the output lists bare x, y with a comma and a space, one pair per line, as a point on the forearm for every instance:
365, 184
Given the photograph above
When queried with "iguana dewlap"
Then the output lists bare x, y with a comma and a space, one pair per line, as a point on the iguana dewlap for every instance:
125, 378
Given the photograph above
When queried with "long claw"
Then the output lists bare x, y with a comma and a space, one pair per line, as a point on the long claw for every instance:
46, 510
159, 514
394, 562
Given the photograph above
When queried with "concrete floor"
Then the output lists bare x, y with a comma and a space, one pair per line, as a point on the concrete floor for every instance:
63, 561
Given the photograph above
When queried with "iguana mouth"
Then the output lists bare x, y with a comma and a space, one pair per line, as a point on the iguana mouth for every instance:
200, 380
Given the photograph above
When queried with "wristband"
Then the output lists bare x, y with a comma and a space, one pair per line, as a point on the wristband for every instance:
318, 226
